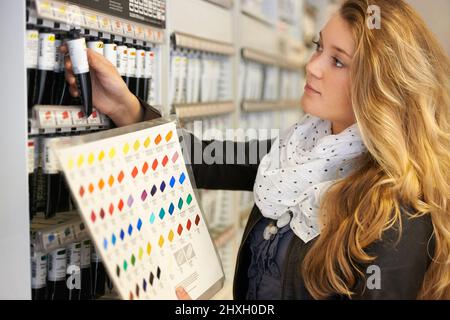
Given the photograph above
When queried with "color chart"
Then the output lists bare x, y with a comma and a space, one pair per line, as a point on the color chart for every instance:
135, 196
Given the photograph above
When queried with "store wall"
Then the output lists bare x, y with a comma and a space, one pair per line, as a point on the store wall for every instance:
435, 13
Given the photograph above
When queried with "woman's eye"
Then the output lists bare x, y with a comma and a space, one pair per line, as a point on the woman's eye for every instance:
338, 63
318, 47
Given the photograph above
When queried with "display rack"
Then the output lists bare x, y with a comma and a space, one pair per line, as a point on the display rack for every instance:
224, 27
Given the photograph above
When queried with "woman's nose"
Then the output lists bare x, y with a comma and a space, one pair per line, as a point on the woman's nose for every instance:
314, 67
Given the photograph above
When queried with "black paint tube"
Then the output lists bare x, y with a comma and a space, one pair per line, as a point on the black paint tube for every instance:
31, 53
78, 55
38, 275
110, 51
56, 277
130, 78
52, 176
59, 81
64, 197
122, 60
33, 146
148, 70
140, 79
46, 65
96, 45
98, 274
86, 278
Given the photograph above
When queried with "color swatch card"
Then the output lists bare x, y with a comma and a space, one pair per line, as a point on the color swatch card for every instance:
135, 196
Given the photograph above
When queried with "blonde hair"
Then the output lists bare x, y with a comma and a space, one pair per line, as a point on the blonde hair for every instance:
400, 96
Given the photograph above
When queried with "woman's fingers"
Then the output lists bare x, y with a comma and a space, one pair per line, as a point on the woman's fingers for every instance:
182, 294
74, 91
63, 48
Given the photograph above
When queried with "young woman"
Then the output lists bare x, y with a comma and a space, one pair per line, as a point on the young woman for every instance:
353, 201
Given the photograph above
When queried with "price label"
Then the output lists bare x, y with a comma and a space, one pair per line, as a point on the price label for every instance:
91, 20
45, 9
139, 32
63, 118
105, 23
117, 26
78, 118
60, 11
129, 30
47, 119
94, 118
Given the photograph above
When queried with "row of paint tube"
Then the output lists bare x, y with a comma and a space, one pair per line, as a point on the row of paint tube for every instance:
199, 77
260, 82
134, 61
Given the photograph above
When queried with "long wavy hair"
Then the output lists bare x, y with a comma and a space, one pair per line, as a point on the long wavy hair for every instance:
400, 96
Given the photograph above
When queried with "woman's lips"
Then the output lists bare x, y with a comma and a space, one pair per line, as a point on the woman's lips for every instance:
310, 89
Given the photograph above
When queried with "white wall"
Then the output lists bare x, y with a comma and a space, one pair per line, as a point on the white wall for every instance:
436, 15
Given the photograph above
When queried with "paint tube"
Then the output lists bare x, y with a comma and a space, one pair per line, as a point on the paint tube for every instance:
140, 80
78, 55
32, 52
38, 275
59, 82
56, 277
85, 263
110, 51
46, 65
99, 274
148, 71
130, 78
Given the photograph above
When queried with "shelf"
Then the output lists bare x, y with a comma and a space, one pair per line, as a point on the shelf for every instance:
279, 61
227, 4
65, 14
252, 106
196, 43
50, 119
258, 17
259, 56
223, 236
199, 110
56, 232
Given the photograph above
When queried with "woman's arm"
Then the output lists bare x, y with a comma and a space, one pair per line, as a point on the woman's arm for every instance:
225, 165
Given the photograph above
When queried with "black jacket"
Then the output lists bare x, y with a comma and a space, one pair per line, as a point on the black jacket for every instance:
402, 264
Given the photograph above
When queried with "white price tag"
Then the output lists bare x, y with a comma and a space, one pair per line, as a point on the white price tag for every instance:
78, 118
60, 11
117, 26
105, 23
44, 9
148, 34
139, 32
47, 119
90, 20
129, 30
94, 118
63, 118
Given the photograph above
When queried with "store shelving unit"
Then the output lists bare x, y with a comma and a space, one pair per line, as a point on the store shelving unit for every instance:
234, 29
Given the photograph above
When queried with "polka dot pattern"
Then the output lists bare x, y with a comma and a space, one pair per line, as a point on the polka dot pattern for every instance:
302, 163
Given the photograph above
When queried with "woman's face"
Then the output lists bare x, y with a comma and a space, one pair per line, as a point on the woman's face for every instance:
327, 89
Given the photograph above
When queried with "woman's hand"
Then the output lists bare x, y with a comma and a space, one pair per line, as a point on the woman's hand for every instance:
109, 92
182, 294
